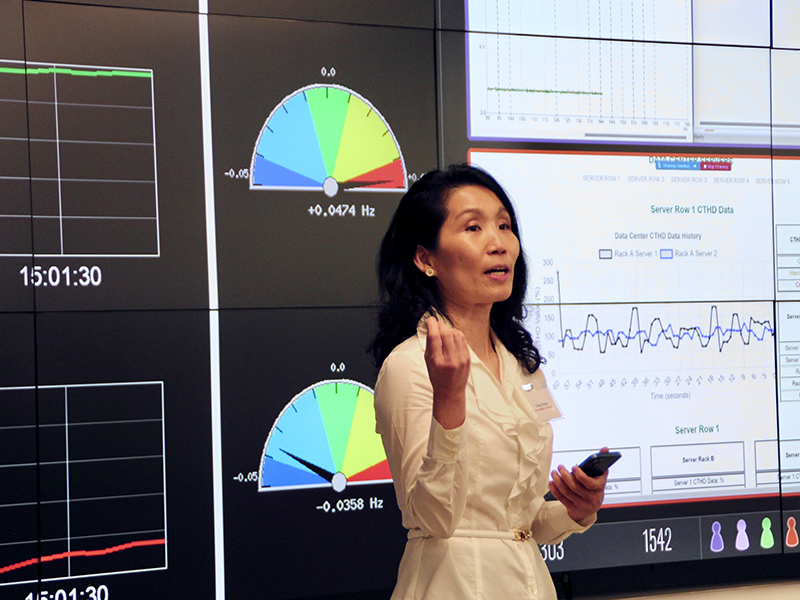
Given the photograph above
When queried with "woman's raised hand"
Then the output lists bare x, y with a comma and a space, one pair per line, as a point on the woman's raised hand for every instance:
447, 359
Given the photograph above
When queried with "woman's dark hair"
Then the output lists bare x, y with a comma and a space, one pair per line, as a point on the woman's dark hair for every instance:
408, 294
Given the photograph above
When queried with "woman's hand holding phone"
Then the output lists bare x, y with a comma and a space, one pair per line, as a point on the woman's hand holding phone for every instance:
581, 493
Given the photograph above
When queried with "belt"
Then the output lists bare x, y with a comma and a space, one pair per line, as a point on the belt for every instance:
520, 535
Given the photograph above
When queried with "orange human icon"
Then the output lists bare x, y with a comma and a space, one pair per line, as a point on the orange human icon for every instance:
791, 535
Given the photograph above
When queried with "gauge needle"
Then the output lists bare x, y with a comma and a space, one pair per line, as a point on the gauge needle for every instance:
327, 475
351, 185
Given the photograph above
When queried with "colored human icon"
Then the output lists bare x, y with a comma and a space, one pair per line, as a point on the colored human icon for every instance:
742, 541
767, 539
717, 543
792, 539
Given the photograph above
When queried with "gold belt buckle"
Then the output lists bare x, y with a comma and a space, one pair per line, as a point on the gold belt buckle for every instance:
522, 535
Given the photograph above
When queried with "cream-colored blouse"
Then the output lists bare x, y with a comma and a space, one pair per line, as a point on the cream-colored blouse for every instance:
471, 495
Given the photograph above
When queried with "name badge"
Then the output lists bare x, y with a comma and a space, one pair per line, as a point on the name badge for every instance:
543, 403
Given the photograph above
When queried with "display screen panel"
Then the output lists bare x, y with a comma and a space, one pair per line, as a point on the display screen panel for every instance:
312, 152
651, 319
18, 410
599, 78
15, 197
114, 211
300, 449
659, 334
107, 437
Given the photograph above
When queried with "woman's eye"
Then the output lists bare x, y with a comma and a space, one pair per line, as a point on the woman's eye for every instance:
473, 228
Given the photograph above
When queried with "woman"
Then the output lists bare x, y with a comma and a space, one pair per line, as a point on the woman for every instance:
457, 397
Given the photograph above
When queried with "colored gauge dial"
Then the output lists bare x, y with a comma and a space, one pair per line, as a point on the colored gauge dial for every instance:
324, 437
328, 138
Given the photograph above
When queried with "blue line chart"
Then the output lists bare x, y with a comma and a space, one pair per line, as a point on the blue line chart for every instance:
715, 335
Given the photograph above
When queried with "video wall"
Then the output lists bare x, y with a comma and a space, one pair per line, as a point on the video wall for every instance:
192, 195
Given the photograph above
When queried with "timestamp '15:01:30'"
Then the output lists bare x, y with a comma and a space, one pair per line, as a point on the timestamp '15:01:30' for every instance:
54, 276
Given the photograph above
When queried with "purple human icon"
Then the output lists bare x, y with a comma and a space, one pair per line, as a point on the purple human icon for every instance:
742, 541
717, 543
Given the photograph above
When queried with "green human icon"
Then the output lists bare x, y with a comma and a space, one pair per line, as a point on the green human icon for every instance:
767, 539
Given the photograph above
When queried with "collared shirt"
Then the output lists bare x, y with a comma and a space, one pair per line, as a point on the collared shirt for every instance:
458, 488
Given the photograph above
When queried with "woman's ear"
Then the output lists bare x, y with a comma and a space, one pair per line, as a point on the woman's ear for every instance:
424, 261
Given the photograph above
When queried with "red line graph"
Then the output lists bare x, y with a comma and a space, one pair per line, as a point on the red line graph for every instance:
75, 553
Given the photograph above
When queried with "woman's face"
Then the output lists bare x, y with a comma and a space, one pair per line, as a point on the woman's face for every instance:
475, 257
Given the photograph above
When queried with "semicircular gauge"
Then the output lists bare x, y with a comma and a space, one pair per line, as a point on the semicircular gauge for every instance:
325, 437
328, 138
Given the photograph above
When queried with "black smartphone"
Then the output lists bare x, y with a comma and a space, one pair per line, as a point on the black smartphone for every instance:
593, 465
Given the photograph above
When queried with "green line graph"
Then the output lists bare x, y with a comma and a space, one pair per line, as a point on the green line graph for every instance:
85, 145
75, 72
535, 91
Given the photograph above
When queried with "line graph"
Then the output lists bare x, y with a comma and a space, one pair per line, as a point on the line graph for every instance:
747, 330
587, 70
535, 91
83, 553
85, 486
662, 345
525, 87
91, 147
661, 374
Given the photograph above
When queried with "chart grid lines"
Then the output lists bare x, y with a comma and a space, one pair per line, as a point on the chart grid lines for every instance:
58, 162
108, 181
66, 468
99, 456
